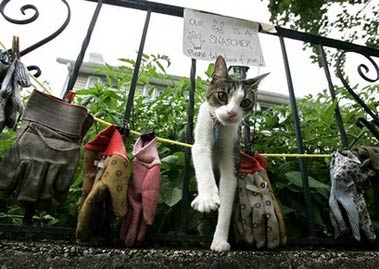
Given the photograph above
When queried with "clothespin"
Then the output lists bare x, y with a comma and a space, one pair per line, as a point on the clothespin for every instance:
16, 47
124, 128
147, 135
70, 96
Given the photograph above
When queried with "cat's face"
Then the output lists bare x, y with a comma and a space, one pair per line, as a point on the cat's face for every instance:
231, 100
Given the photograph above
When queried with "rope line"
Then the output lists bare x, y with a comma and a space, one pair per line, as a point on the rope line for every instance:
173, 142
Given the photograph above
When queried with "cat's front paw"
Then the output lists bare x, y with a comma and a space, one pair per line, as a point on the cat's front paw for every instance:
206, 203
220, 246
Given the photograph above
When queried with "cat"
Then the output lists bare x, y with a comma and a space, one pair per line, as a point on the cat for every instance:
216, 142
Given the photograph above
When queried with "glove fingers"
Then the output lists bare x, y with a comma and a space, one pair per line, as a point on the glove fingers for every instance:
3, 102
47, 188
31, 182
246, 207
347, 202
238, 228
11, 168
63, 178
150, 193
277, 209
280, 219
116, 176
237, 225
142, 231
91, 211
89, 172
125, 224
10, 113
258, 216
335, 211
273, 235
364, 219
131, 235
56, 184
336, 227
272, 227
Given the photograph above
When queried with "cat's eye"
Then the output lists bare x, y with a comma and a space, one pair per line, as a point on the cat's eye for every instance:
222, 96
245, 103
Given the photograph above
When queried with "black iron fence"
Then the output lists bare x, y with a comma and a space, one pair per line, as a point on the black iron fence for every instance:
321, 43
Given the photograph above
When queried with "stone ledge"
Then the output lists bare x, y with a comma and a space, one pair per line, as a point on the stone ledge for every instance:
58, 254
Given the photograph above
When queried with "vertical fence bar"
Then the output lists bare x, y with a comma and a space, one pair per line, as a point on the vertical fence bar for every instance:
333, 95
299, 141
133, 84
187, 151
79, 59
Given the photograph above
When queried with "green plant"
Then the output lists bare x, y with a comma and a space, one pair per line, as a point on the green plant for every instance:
166, 114
320, 135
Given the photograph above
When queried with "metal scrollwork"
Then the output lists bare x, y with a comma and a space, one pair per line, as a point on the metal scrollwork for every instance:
363, 70
22, 9
33, 18
366, 70
40, 43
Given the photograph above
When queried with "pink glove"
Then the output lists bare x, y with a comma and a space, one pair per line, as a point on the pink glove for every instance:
143, 192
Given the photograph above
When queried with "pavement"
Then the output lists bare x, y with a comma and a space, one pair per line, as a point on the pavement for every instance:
62, 254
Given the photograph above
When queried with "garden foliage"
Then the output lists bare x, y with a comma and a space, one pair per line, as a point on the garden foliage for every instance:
166, 114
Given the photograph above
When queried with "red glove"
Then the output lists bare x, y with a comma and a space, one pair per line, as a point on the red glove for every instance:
250, 165
143, 192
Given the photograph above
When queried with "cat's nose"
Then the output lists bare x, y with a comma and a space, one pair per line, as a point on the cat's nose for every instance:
231, 113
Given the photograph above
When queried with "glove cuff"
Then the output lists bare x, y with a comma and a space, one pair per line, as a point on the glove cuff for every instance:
146, 154
116, 145
101, 141
56, 114
248, 164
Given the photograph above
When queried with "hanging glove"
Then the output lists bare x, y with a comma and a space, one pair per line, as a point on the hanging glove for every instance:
42, 161
257, 214
10, 99
110, 183
347, 178
143, 192
369, 157
94, 150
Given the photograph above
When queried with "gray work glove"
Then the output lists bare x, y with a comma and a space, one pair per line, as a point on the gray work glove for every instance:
41, 163
347, 178
10, 99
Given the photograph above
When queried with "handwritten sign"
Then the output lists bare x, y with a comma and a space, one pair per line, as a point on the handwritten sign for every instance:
205, 36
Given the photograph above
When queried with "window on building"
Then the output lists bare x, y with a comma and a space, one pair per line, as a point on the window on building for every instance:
92, 80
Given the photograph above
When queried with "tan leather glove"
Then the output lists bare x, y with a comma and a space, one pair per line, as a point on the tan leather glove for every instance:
258, 218
109, 190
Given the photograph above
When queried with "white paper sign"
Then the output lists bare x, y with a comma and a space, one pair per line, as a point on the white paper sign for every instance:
205, 36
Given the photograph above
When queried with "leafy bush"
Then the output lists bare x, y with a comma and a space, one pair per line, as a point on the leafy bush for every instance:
166, 114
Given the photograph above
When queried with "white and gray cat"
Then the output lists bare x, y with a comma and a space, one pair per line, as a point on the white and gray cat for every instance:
217, 145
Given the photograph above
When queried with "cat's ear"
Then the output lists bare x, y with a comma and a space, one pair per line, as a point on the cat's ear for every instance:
220, 70
253, 82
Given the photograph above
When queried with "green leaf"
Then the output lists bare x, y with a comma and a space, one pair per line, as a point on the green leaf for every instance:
171, 160
170, 194
294, 177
